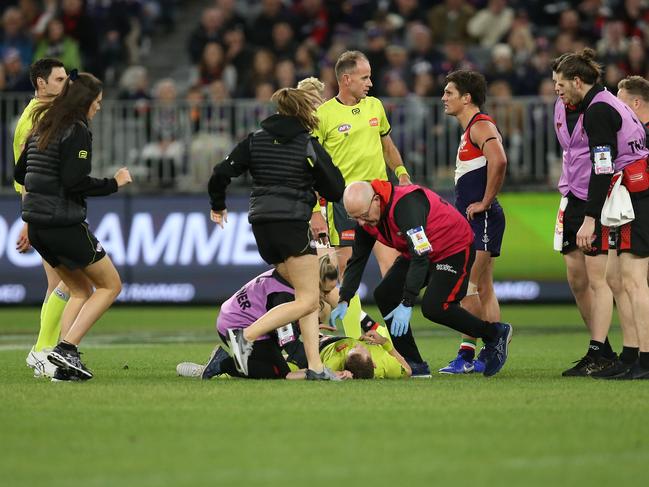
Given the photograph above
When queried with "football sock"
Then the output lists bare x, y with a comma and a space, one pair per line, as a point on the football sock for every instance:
595, 349
643, 360
51, 312
607, 351
629, 355
467, 349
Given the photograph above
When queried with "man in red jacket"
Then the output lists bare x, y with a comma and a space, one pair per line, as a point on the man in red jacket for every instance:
436, 245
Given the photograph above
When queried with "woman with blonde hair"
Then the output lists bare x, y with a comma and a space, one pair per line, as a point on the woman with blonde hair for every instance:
287, 166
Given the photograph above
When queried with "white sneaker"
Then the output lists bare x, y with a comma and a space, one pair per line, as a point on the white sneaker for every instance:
38, 361
189, 369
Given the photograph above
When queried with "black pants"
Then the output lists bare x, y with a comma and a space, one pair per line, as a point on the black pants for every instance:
447, 285
265, 361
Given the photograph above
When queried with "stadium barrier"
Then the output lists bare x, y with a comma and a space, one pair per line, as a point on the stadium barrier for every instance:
168, 251
173, 147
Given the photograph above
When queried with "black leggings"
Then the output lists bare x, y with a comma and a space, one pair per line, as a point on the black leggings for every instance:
265, 361
447, 284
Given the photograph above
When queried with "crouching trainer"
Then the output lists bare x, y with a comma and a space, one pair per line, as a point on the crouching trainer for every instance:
436, 245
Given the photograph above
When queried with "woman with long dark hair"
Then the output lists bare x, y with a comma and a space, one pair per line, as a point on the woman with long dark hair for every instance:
54, 168
287, 166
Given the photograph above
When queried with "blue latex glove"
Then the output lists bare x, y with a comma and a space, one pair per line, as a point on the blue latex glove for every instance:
400, 319
338, 313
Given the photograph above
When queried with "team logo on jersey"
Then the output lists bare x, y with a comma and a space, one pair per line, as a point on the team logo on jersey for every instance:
83, 154
356, 111
559, 124
345, 127
374, 122
485, 238
99, 248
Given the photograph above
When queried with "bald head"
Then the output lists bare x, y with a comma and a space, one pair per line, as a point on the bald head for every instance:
362, 203
357, 197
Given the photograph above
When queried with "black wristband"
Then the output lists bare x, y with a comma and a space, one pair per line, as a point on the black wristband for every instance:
409, 302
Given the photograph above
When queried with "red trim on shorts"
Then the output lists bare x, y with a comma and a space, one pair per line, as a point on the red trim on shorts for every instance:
625, 236
605, 234
458, 284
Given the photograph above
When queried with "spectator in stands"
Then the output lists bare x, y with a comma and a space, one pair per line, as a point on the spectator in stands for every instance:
510, 115
397, 68
134, 86
409, 11
16, 74
238, 52
313, 22
635, 63
377, 41
613, 45
422, 50
264, 91
454, 58
563, 44
81, 27
210, 29
569, 23
449, 21
305, 65
612, 76
490, 25
55, 44
272, 11
261, 71
231, 17
635, 18
213, 66
284, 44
164, 154
35, 17
285, 74
15, 36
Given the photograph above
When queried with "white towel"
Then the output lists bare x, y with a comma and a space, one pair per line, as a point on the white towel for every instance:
558, 226
617, 209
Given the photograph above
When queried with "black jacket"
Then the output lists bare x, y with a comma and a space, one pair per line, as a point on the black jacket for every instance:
286, 164
57, 179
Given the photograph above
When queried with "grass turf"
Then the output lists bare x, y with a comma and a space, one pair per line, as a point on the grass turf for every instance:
143, 426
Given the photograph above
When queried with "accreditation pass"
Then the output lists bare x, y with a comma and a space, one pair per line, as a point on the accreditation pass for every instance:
419, 241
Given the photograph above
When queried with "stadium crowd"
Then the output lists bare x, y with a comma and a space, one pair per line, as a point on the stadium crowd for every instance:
247, 49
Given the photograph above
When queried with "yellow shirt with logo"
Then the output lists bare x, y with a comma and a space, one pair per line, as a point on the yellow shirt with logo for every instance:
23, 127
386, 366
351, 134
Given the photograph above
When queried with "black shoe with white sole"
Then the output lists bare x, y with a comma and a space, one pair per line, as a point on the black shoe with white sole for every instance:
69, 359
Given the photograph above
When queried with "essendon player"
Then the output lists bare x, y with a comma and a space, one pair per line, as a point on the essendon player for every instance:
479, 174
436, 246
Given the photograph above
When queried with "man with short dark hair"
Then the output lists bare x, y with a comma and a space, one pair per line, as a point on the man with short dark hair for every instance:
47, 76
634, 91
480, 169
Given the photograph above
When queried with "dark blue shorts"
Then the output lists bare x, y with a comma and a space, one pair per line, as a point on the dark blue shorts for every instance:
488, 230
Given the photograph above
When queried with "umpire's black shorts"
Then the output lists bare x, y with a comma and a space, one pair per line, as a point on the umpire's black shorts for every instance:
277, 241
73, 247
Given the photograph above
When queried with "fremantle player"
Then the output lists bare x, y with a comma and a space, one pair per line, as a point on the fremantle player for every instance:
479, 174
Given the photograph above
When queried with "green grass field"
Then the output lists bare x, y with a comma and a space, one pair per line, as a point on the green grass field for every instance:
142, 426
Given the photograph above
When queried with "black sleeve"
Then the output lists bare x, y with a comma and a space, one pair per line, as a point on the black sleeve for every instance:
363, 245
275, 299
75, 152
234, 165
21, 167
329, 182
411, 212
601, 123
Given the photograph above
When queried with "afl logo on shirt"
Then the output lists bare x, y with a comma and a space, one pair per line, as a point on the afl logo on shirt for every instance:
345, 127
374, 122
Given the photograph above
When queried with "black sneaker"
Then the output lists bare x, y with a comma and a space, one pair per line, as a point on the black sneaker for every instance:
615, 370
588, 365
64, 375
213, 366
636, 372
69, 359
